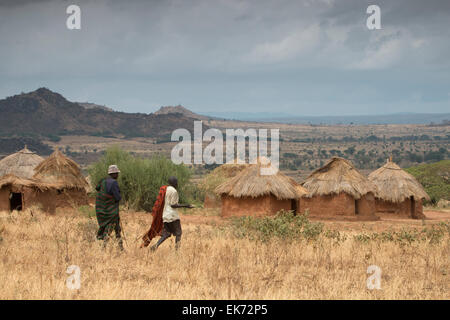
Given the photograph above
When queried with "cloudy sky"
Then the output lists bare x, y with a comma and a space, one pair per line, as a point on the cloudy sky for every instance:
300, 57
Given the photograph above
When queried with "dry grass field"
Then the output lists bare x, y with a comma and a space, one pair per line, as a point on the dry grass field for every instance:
214, 263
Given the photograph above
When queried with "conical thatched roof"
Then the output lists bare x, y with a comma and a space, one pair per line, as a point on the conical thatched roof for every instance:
395, 185
221, 174
251, 183
20, 164
60, 172
338, 175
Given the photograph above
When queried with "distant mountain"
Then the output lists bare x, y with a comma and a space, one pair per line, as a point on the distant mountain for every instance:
181, 110
43, 112
398, 118
14, 144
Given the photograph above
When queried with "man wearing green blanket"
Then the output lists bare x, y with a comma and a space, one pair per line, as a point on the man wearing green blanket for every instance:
107, 206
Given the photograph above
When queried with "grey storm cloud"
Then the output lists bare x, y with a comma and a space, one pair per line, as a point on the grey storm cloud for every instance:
302, 56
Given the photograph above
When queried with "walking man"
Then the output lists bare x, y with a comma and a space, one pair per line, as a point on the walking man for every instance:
107, 206
165, 211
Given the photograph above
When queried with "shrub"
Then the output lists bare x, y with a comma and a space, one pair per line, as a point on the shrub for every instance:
284, 225
335, 235
435, 179
140, 179
433, 235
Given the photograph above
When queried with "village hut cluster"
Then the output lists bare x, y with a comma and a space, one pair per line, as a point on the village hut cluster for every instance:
337, 189
27, 180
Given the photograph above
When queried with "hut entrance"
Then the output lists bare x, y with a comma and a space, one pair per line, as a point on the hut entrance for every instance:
294, 206
15, 201
413, 207
357, 204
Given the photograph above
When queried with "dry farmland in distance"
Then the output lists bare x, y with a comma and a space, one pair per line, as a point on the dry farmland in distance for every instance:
303, 148
215, 263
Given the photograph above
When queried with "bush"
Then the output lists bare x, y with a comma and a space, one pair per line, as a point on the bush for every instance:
435, 179
433, 235
140, 179
284, 225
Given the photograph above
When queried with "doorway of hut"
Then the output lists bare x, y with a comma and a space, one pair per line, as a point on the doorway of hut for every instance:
413, 207
294, 206
357, 204
15, 201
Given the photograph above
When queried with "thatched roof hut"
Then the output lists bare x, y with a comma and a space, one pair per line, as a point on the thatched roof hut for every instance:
250, 183
60, 172
216, 177
398, 191
339, 189
57, 183
395, 185
21, 164
251, 192
338, 176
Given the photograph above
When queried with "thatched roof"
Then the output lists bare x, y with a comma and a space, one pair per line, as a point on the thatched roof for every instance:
395, 185
13, 180
338, 175
221, 174
20, 164
250, 183
60, 172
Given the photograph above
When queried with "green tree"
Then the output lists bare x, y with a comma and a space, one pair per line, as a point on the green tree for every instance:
140, 179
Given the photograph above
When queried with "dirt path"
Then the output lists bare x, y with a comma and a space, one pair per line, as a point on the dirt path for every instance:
385, 222
440, 215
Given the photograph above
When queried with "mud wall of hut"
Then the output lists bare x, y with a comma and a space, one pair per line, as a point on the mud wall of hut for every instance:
4, 198
328, 205
52, 199
247, 206
400, 209
418, 213
212, 201
366, 205
47, 200
277, 205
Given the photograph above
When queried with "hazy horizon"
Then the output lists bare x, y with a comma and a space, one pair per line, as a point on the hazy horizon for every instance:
300, 58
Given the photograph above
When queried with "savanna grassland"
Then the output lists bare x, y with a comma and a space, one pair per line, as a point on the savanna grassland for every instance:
282, 258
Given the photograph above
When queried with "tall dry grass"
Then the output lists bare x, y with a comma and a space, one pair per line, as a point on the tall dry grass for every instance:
35, 252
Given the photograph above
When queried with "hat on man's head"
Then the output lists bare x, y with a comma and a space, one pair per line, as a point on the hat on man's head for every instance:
113, 169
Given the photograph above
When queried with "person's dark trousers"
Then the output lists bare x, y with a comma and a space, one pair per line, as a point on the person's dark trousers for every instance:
169, 229
105, 232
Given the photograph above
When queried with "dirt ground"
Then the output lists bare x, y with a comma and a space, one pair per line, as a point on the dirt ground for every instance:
387, 222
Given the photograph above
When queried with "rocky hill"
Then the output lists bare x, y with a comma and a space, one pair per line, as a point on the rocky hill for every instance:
47, 113
180, 110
